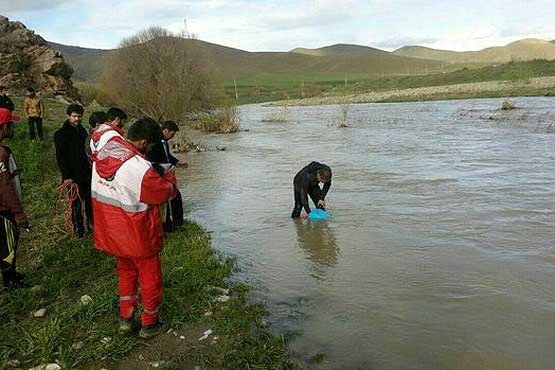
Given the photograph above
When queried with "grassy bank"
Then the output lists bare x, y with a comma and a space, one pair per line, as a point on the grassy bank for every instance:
274, 87
81, 336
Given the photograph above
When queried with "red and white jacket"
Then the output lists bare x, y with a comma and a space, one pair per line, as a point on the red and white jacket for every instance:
102, 134
126, 194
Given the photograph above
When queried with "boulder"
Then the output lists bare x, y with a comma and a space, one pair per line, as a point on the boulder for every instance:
26, 60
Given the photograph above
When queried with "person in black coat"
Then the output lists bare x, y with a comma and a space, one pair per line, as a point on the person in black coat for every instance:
74, 166
163, 160
306, 183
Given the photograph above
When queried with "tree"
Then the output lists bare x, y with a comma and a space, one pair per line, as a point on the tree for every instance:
158, 74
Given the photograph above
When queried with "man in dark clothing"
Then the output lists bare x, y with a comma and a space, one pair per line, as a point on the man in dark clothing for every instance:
5, 101
306, 183
73, 163
162, 160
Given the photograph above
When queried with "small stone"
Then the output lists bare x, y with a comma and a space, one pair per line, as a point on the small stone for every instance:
36, 288
77, 345
157, 364
223, 298
182, 337
141, 357
40, 313
13, 363
208, 313
52, 366
198, 368
86, 299
105, 340
205, 335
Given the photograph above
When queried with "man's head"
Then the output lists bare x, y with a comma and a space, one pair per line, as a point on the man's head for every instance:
143, 134
169, 129
6, 123
75, 114
31, 92
116, 116
97, 118
324, 175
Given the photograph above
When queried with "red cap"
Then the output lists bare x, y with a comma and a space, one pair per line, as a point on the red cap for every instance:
7, 116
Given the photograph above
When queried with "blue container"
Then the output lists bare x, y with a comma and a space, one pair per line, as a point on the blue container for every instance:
318, 214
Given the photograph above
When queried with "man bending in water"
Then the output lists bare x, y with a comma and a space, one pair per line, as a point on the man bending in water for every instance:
306, 182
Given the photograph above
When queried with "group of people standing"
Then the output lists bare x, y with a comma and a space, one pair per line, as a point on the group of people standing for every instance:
123, 180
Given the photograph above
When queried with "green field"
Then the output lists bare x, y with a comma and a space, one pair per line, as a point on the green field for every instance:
271, 87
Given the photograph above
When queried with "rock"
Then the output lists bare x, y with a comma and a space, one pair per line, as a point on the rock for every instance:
13, 363
205, 335
36, 288
77, 345
198, 368
28, 60
52, 366
105, 340
86, 299
223, 298
208, 313
221, 290
182, 337
40, 313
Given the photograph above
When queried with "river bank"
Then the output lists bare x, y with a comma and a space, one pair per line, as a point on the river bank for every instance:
75, 287
539, 86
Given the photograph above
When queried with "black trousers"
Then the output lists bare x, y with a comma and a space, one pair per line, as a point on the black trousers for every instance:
77, 210
38, 122
9, 238
314, 193
174, 213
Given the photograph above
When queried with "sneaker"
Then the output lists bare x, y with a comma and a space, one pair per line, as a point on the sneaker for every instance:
153, 330
127, 326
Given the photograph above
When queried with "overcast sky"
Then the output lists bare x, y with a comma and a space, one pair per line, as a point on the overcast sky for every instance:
281, 25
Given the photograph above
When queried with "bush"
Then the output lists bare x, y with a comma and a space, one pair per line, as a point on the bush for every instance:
222, 121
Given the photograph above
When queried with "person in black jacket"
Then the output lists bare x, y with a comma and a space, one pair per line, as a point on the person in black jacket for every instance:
74, 165
306, 183
5, 101
162, 159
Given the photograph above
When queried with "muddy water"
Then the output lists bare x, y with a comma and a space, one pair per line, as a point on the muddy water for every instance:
440, 250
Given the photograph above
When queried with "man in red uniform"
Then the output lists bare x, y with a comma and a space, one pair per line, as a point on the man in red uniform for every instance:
126, 195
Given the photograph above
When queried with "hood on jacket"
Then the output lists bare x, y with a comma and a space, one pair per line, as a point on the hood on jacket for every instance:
102, 128
112, 156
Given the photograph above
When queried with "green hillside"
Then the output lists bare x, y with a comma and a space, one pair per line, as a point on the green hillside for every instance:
340, 50
522, 50
231, 63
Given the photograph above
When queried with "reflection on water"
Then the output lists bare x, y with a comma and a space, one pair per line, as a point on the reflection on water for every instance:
317, 240
440, 250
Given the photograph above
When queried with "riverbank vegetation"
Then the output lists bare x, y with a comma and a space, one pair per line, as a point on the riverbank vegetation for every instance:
76, 288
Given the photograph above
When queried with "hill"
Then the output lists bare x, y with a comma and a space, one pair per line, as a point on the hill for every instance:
522, 50
235, 63
340, 50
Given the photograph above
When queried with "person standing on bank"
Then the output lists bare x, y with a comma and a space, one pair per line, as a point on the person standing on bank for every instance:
34, 111
306, 183
12, 215
162, 159
127, 194
74, 165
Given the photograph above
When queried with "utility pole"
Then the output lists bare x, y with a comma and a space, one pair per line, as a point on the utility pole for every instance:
235, 85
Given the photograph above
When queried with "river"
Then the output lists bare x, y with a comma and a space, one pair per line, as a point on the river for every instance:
440, 250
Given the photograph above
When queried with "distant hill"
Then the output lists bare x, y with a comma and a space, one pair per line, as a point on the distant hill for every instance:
522, 50
231, 63
340, 50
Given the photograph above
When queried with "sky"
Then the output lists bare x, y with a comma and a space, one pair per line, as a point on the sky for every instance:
282, 25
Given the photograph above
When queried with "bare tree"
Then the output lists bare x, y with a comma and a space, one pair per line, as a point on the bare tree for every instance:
158, 74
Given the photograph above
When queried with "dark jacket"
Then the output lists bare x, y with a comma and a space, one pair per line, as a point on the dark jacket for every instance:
160, 153
6, 102
70, 153
307, 179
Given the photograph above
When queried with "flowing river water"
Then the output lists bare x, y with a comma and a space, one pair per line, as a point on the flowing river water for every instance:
440, 250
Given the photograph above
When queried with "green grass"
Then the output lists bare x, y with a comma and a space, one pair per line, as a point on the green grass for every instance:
68, 268
271, 87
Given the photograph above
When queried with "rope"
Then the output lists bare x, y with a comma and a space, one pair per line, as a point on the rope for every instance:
66, 193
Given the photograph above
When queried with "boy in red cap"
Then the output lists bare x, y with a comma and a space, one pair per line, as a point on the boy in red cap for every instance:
12, 216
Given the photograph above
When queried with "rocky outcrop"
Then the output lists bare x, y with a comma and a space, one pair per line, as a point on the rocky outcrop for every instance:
26, 60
